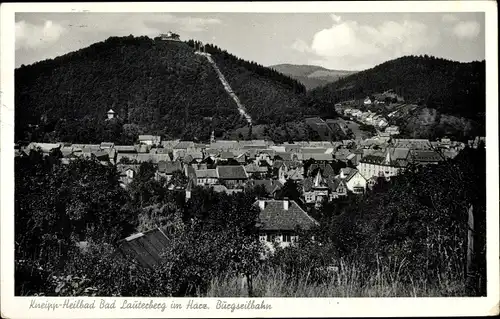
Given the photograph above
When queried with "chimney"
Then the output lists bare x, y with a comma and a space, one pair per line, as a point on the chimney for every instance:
262, 204
285, 203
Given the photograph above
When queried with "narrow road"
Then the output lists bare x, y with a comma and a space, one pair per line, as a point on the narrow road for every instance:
227, 87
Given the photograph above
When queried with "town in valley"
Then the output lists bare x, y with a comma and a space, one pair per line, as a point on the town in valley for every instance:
153, 166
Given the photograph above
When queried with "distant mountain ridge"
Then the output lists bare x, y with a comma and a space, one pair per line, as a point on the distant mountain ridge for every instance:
311, 76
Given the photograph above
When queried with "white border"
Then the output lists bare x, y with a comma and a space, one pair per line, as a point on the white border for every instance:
16, 307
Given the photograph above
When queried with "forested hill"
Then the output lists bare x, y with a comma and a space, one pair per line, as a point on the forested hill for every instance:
449, 87
155, 87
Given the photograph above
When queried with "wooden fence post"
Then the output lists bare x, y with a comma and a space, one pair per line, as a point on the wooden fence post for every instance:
470, 282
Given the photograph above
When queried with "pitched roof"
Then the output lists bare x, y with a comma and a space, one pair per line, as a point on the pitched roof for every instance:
226, 155
148, 137
314, 150
184, 145
122, 168
348, 172
107, 145
222, 188
317, 156
325, 169
125, 148
146, 247
169, 167
275, 217
254, 168
423, 156
231, 172
206, 173
286, 156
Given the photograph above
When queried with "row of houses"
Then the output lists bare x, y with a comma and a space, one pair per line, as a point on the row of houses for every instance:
368, 117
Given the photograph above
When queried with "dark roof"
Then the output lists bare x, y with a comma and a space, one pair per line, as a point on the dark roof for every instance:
325, 168
122, 168
270, 185
125, 149
348, 172
275, 217
184, 145
145, 247
286, 156
169, 167
226, 155
331, 182
317, 156
422, 156
231, 172
206, 173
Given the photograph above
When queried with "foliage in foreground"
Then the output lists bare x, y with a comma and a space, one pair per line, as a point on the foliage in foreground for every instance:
405, 239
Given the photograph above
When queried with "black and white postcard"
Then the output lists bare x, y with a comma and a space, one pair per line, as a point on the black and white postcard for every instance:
249, 159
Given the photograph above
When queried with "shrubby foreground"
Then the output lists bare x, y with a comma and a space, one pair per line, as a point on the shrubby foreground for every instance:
405, 238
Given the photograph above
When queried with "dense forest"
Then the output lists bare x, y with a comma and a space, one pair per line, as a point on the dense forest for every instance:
268, 95
452, 89
155, 87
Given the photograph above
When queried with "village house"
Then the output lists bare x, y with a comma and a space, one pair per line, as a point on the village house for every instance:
111, 114
283, 170
224, 156
318, 190
166, 169
392, 130
271, 186
278, 221
127, 173
367, 101
266, 155
354, 181
223, 189
205, 177
424, 157
150, 139
383, 165
232, 176
256, 171
415, 144
169, 36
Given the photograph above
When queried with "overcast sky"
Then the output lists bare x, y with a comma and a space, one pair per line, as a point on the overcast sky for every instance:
344, 41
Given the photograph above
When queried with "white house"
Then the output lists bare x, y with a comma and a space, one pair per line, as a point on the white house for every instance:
367, 101
278, 220
382, 122
150, 139
111, 114
384, 164
355, 182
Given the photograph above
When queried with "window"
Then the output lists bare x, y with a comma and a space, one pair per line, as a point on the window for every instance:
269, 237
262, 237
287, 238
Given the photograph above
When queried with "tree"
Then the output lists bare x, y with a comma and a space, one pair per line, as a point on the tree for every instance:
290, 190
178, 179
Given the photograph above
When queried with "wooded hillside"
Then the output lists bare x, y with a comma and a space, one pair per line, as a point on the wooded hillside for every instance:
155, 87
